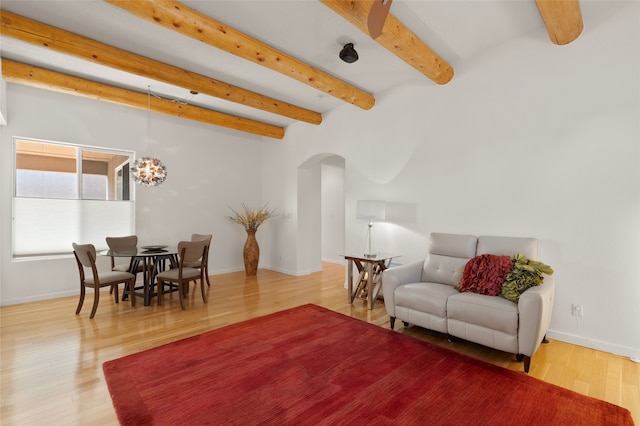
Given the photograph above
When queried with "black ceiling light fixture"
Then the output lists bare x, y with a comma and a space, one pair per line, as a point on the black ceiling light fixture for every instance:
348, 53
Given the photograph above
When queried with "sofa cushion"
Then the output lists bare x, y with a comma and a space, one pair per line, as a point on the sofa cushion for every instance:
430, 298
485, 274
444, 270
448, 254
494, 313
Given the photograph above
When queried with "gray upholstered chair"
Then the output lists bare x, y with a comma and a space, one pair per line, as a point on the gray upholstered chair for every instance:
189, 253
205, 264
122, 244
85, 255
125, 244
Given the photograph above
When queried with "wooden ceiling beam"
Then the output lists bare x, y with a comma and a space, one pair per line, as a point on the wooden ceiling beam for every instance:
16, 72
62, 41
562, 18
184, 20
396, 38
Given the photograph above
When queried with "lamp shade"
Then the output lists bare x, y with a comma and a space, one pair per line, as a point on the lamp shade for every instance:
370, 209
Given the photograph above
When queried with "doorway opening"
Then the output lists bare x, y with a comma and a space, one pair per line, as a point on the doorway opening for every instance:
321, 212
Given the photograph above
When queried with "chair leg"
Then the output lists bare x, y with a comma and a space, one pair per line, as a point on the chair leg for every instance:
160, 291
115, 289
132, 293
206, 274
96, 299
81, 301
204, 296
181, 291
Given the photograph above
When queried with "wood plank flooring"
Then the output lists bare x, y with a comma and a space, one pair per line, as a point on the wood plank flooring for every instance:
51, 359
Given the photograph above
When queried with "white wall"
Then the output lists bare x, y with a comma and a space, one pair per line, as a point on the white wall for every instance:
332, 209
309, 201
531, 139
209, 169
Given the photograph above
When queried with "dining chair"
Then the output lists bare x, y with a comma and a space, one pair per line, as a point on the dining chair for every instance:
124, 244
85, 255
197, 263
189, 252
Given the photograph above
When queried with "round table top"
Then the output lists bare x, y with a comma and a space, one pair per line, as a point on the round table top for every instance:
144, 251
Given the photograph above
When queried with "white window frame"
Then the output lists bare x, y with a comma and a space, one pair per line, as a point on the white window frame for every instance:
46, 227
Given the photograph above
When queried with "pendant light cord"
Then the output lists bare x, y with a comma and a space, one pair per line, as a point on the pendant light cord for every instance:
147, 143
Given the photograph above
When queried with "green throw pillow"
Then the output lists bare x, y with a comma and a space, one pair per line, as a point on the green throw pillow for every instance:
524, 274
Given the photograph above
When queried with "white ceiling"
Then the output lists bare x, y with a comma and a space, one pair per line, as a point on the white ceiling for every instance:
458, 31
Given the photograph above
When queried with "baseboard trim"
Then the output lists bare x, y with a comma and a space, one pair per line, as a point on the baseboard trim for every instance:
290, 272
40, 297
598, 345
335, 261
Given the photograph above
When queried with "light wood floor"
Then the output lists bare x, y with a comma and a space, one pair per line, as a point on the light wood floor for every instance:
52, 360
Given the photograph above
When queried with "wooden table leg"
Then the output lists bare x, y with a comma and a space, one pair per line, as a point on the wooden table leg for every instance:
370, 295
350, 281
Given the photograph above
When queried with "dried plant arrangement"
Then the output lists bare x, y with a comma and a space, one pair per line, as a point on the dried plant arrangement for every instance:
251, 218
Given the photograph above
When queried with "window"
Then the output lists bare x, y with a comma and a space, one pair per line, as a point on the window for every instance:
69, 193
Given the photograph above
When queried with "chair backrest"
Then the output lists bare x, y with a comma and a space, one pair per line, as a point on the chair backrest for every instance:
86, 258
86, 254
200, 237
192, 251
203, 237
122, 243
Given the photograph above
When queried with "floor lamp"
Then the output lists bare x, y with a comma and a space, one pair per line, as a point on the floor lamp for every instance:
370, 210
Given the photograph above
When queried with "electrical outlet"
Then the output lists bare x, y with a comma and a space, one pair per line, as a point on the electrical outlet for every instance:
577, 310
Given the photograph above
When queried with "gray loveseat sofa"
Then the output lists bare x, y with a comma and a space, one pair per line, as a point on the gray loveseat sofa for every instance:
425, 294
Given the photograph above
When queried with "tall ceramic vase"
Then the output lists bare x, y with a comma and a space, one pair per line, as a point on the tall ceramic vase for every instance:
251, 254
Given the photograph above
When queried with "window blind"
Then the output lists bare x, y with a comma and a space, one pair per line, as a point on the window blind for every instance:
44, 226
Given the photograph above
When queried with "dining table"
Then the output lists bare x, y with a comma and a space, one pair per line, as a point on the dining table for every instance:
154, 259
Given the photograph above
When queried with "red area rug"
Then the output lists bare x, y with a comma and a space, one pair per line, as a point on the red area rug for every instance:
312, 366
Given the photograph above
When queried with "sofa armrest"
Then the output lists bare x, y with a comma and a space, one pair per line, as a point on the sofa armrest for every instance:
535, 307
394, 277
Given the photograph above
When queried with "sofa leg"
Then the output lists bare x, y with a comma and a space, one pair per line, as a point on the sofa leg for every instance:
526, 359
545, 340
406, 324
452, 339
392, 321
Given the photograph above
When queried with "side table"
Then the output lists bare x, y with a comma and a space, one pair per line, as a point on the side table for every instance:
370, 270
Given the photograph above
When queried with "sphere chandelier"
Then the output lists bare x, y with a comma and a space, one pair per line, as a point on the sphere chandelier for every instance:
148, 171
